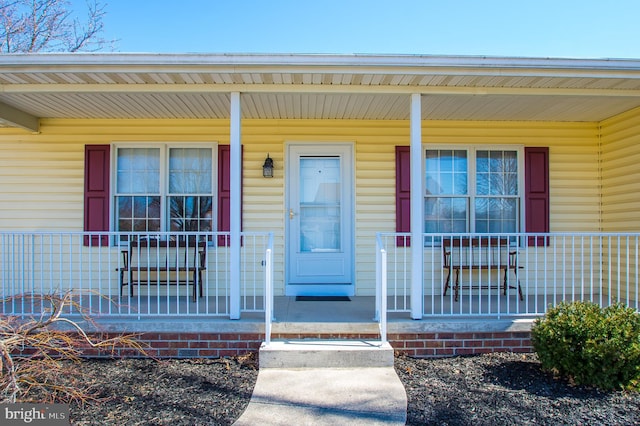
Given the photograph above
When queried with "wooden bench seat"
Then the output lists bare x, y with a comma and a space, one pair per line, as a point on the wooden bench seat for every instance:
479, 253
158, 262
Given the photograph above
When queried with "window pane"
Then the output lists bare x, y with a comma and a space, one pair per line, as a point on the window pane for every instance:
190, 171
138, 171
138, 214
432, 185
510, 173
191, 214
494, 195
446, 214
446, 183
460, 183
446, 172
496, 173
320, 204
319, 228
496, 215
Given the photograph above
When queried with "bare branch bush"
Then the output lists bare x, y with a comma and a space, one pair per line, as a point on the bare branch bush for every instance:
50, 26
40, 356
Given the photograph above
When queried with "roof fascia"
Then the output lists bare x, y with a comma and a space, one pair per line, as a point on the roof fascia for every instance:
398, 64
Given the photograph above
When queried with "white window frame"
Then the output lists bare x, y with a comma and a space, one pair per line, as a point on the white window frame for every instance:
164, 195
471, 195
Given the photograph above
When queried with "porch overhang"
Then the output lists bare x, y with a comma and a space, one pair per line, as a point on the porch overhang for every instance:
368, 87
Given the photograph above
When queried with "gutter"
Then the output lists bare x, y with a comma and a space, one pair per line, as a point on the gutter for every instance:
320, 63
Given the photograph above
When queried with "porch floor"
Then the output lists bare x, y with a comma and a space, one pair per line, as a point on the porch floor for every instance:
291, 316
360, 309
470, 313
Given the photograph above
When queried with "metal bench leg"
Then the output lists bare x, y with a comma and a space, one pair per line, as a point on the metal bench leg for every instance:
195, 285
446, 283
121, 282
504, 281
515, 272
457, 286
505, 286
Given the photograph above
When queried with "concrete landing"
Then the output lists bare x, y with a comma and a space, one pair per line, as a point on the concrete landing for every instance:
326, 383
326, 354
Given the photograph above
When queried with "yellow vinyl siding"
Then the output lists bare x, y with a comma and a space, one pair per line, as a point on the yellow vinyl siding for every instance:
573, 158
41, 184
620, 173
620, 141
42, 175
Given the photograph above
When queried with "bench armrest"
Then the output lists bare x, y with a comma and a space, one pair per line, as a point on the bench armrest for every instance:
446, 257
125, 259
202, 256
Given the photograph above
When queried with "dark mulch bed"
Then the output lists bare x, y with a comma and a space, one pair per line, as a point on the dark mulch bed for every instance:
167, 392
492, 389
505, 389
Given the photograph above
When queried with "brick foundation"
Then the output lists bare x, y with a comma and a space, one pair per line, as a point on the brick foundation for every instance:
451, 344
420, 345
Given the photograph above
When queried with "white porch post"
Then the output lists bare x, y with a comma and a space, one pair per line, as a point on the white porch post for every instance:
417, 207
235, 200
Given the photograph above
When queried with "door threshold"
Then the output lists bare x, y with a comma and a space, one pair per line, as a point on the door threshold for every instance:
323, 299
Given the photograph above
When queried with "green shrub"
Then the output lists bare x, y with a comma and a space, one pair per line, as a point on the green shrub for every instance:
590, 345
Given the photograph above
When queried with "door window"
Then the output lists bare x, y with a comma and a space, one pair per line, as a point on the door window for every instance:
320, 209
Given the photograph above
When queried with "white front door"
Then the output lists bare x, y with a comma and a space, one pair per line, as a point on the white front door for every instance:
320, 220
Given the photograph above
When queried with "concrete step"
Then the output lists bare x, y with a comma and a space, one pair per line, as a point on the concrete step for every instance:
326, 354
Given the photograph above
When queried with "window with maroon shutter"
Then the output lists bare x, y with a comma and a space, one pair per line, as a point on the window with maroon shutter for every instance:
96, 194
492, 193
224, 192
537, 193
141, 204
163, 188
403, 193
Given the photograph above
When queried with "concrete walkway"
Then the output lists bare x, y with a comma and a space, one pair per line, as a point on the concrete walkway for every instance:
304, 384
326, 396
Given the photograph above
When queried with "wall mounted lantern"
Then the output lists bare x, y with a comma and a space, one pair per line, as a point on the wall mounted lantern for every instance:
267, 167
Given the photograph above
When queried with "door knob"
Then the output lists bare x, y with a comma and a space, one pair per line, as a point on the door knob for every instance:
291, 214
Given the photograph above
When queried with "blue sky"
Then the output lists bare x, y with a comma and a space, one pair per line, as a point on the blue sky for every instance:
525, 28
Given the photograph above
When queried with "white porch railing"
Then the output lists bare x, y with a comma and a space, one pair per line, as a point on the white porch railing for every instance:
381, 288
89, 266
603, 268
268, 291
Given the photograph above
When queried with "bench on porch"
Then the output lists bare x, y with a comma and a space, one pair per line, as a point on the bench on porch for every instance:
478, 254
154, 262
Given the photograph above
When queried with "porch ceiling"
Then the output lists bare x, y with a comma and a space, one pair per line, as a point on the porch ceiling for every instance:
313, 86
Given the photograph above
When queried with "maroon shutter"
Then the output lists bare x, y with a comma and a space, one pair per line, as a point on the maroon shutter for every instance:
224, 193
403, 193
96, 193
536, 169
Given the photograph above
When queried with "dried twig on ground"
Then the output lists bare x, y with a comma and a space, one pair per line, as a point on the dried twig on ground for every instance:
31, 351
